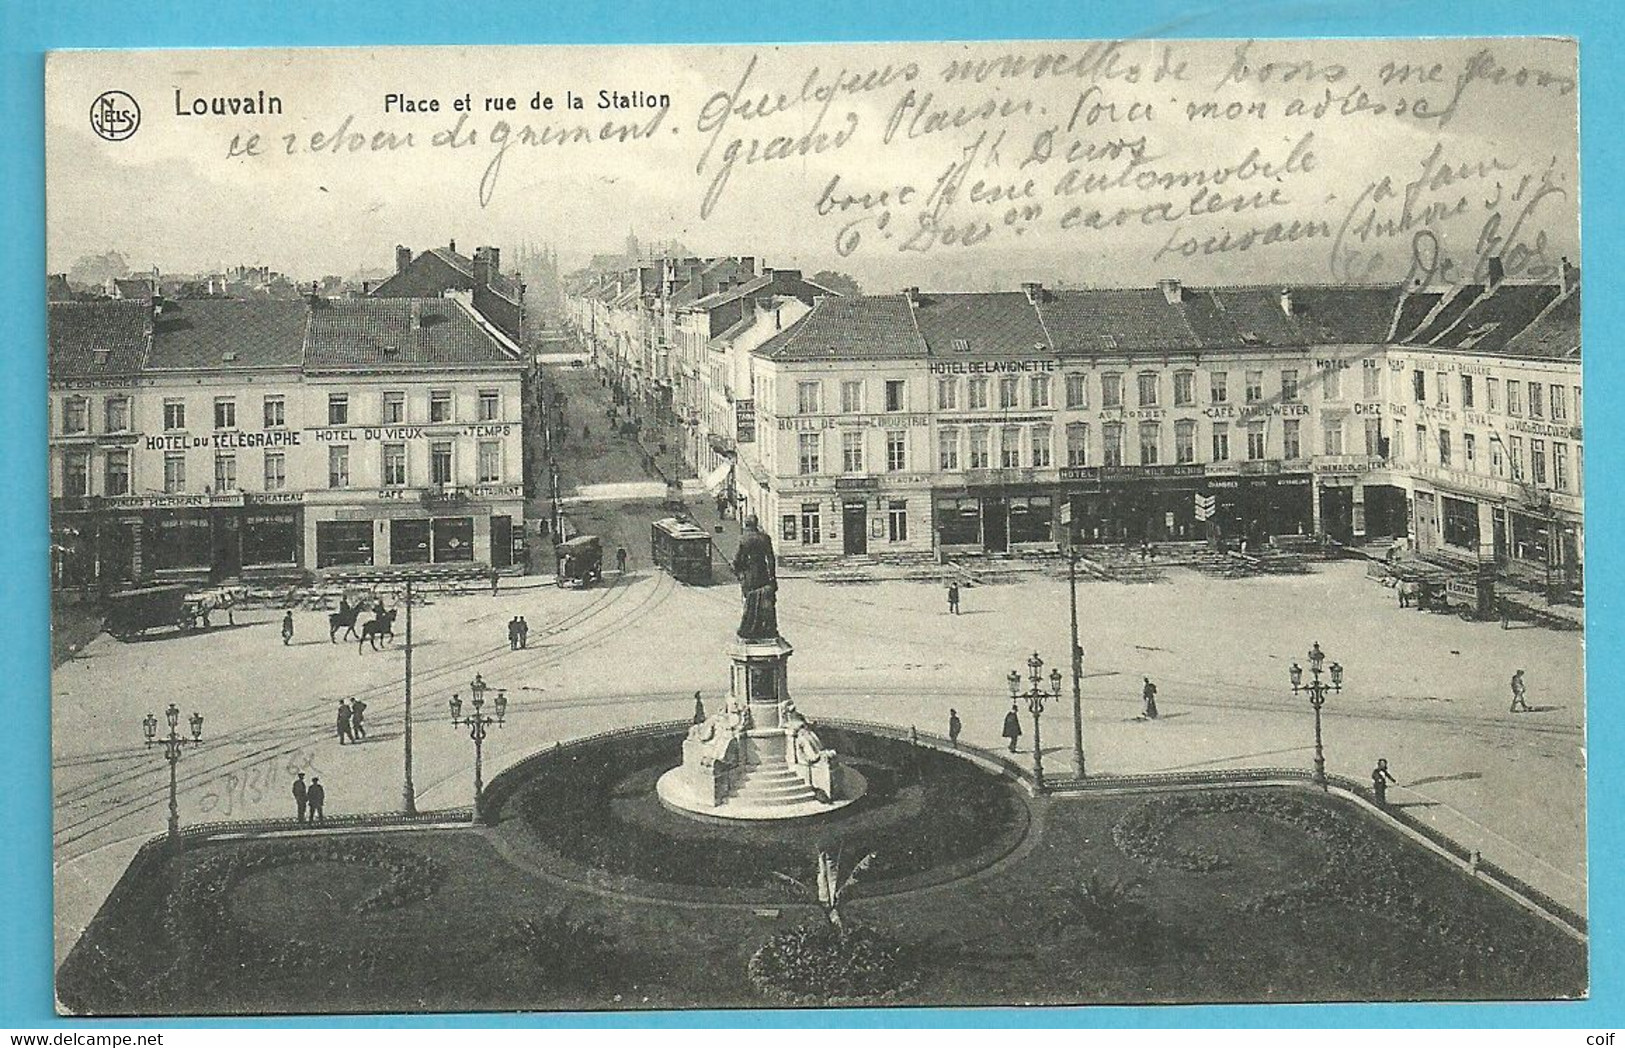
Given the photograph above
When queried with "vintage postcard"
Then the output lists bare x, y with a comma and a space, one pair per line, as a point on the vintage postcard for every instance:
1006, 523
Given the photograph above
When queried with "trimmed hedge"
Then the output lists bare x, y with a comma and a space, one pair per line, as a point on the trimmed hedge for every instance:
816, 964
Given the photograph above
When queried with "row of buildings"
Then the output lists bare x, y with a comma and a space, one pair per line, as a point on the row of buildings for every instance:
923, 422
231, 438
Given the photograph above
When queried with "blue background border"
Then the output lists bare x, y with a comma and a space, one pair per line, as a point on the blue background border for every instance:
29, 27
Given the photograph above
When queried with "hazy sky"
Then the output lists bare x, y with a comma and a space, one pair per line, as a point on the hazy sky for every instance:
1314, 162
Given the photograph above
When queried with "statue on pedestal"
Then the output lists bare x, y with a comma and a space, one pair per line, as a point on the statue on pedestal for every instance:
757, 570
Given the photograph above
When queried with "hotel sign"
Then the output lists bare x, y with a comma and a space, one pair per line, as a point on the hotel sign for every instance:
745, 421
992, 367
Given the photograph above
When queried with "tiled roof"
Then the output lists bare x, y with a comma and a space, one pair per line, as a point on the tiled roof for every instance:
726, 295
1415, 310
1554, 335
228, 333
397, 333
849, 329
133, 287
999, 323
1253, 316
1347, 314
1496, 317
1454, 304
76, 330
1118, 320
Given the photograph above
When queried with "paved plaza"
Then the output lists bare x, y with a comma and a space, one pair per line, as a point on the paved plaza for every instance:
1428, 692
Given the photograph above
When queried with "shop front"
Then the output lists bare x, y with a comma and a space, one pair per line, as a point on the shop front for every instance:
1254, 509
994, 520
1134, 503
482, 525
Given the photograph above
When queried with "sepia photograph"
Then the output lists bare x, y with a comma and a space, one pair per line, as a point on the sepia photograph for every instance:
839, 525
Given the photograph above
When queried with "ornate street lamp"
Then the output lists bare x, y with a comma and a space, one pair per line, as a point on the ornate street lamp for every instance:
174, 744
1318, 691
476, 723
1035, 696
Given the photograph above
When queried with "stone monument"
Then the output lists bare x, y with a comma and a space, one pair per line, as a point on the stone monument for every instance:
758, 757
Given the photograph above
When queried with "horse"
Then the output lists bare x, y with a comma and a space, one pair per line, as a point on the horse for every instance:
344, 619
376, 629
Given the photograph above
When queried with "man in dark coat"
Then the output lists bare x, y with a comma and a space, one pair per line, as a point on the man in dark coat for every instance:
1012, 726
346, 733
287, 628
300, 795
524, 633
358, 730
513, 633
1380, 780
315, 796
954, 726
1149, 693
953, 597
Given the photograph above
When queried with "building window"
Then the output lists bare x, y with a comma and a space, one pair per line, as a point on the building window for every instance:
1560, 465
947, 394
896, 451
1419, 387
1077, 390
1150, 443
1514, 398
1148, 389
980, 457
225, 472
1111, 437
1537, 406
338, 409
75, 415
1442, 385
1331, 432
1221, 441
809, 398
489, 461
117, 478
894, 395
1515, 452
1292, 438
978, 394
1218, 387
1371, 382
1492, 394
225, 413
1289, 387
1111, 390
1373, 437
1009, 392
440, 463
1466, 391
394, 408
1469, 452
1559, 404
394, 465
1077, 444
440, 409
117, 410
1038, 391
852, 451
1255, 441
1421, 443
1498, 462
808, 447
276, 471
1396, 445
338, 466
897, 521
174, 471
490, 405
1040, 437
276, 412
1537, 462
948, 450
174, 414
811, 532
1255, 387
1010, 447
1332, 383
1577, 403
1184, 388
1184, 441
76, 474
1444, 447
851, 397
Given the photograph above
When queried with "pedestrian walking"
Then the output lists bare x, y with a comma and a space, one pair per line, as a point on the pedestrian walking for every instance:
1519, 690
620, 559
513, 633
346, 733
358, 728
287, 629
586, 432
953, 597
1506, 613
1012, 726
1149, 693
1380, 780
524, 632
495, 577
954, 726
300, 797
315, 797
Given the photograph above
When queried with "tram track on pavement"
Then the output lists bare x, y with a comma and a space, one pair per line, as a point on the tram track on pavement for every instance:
71, 831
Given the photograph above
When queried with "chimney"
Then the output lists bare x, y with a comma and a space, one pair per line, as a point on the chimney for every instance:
1286, 301
453, 245
484, 266
1496, 271
1032, 289
403, 258
912, 294
1171, 290
366, 287
778, 318
748, 264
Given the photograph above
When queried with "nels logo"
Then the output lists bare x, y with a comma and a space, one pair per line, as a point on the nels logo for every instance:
114, 116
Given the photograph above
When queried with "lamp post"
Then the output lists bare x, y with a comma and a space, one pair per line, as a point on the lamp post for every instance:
173, 743
1317, 690
1035, 696
476, 723
1077, 665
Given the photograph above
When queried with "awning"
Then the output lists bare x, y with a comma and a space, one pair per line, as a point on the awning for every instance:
717, 478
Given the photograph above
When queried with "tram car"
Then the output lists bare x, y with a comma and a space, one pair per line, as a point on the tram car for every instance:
682, 549
580, 561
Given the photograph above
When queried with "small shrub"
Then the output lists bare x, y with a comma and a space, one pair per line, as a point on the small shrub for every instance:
1114, 914
566, 950
816, 963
